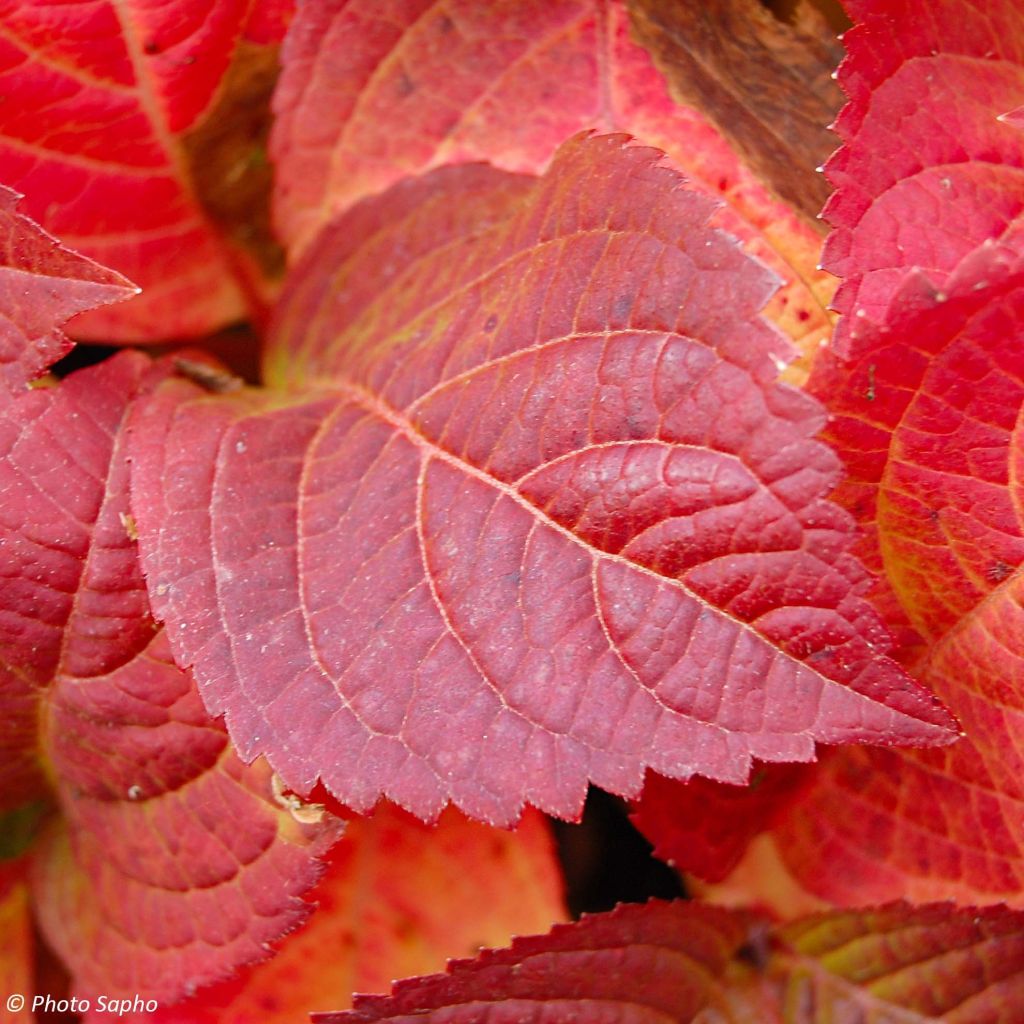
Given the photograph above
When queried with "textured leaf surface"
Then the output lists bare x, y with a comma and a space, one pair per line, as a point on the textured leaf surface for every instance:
529, 75
398, 898
534, 511
686, 962
928, 415
172, 861
928, 169
42, 286
765, 83
102, 102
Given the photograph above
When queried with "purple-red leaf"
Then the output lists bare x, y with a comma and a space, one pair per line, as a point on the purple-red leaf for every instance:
530, 511
172, 862
42, 286
668, 962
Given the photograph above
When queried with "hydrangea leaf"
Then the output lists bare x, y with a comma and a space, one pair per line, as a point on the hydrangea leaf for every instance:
42, 286
529, 510
529, 76
928, 168
686, 962
171, 862
397, 898
927, 415
105, 129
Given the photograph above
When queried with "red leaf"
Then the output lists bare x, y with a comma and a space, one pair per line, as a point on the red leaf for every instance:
42, 285
530, 75
16, 949
542, 516
704, 827
173, 862
927, 169
928, 414
636, 964
670, 961
101, 102
398, 897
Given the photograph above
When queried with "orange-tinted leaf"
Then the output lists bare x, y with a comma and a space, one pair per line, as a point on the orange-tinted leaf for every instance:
765, 83
927, 414
415, 84
534, 511
173, 862
686, 962
16, 944
398, 898
42, 286
928, 169
102, 102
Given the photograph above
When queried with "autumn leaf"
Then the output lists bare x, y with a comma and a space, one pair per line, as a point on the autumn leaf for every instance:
933, 451
684, 962
397, 898
171, 862
928, 168
112, 127
528, 511
765, 83
417, 84
42, 286
703, 827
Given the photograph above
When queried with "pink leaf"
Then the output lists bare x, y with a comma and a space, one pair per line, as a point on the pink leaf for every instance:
531, 512
42, 286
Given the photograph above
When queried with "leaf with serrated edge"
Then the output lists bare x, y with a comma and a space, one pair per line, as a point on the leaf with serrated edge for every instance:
102, 103
928, 168
685, 962
927, 414
42, 286
397, 898
534, 512
530, 75
172, 862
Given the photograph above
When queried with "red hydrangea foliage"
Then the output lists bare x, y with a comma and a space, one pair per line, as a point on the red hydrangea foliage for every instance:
519, 505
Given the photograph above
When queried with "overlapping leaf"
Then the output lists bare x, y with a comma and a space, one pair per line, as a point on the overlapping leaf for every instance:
928, 169
16, 941
533, 513
398, 898
171, 862
928, 413
685, 962
42, 286
415, 84
105, 107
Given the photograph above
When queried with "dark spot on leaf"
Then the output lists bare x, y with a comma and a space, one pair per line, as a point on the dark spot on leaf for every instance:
803, 315
756, 950
490, 323
406, 86
151, 46
998, 571
445, 24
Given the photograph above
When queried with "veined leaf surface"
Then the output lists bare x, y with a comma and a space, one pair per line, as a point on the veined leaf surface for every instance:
687, 962
171, 862
463, 81
529, 510
105, 108
929, 168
